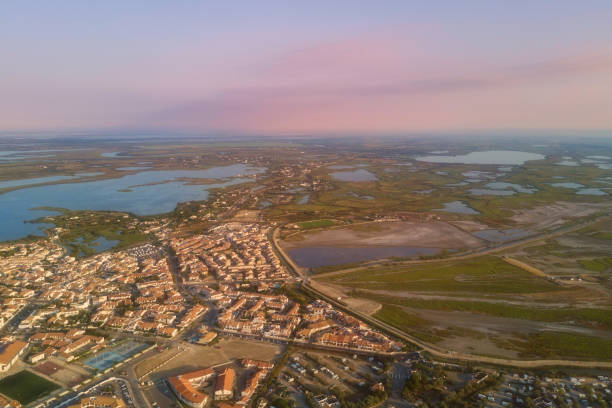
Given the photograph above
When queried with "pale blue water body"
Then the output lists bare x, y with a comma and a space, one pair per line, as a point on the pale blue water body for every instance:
145, 198
355, 175
591, 191
568, 185
494, 235
313, 257
304, 199
599, 157
502, 157
457, 207
111, 154
570, 163
341, 167
500, 185
100, 244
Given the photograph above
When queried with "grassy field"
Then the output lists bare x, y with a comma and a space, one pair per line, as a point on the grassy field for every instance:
26, 387
407, 322
557, 344
316, 224
597, 264
487, 274
586, 317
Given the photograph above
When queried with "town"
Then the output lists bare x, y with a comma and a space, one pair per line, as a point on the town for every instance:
81, 331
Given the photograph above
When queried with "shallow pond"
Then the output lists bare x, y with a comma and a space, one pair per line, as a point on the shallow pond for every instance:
507, 157
312, 257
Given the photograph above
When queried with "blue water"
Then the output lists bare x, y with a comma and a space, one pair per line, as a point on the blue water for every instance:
486, 157
108, 358
110, 154
312, 257
355, 175
457, 207
100, 244
568, 163
494, 235
500, 185
567, 185
16, 206
591, 191
304, 199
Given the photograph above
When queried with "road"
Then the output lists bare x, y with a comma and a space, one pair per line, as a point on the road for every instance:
436, 350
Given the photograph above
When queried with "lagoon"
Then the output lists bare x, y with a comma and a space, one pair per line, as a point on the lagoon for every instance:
144, 193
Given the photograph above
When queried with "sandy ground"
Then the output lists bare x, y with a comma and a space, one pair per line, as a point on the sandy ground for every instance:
194, 357
62, 372
361, 305
435, 234
547, 216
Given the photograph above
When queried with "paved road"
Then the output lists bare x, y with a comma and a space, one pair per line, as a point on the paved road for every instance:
436, 350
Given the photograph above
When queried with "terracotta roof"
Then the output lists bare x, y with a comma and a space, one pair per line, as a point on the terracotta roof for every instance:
11, 350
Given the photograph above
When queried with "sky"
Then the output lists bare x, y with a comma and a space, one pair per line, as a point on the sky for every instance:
306, 67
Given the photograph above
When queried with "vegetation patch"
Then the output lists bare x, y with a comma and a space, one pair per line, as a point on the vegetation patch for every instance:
315, 224
559, 344
26, 387
586, 317
487, 274
597, 265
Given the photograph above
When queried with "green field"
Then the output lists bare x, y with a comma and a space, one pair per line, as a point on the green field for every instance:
586, 317
407, 322
486, 274
316, 224
597, 264
26, 387
557, 344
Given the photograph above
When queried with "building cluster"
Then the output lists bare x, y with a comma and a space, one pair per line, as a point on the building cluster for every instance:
152, 304
237, 254
324, 325
65, 345
258, 315
194, 388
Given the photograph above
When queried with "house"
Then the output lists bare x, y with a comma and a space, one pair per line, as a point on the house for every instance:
10, 354
224, 387
185, 387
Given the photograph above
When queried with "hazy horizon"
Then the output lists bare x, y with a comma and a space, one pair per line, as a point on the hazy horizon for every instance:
314, 68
